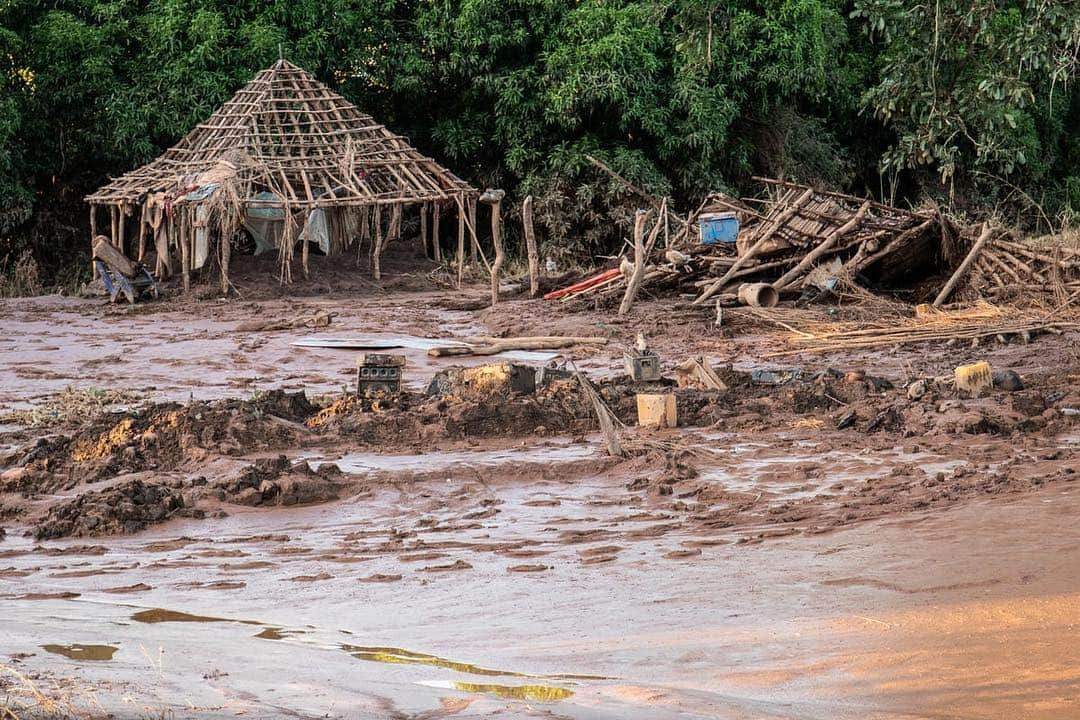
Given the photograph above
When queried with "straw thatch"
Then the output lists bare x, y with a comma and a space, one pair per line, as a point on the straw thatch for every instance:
297, 145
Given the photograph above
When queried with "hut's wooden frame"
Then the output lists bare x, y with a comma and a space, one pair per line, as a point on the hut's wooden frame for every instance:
309, 146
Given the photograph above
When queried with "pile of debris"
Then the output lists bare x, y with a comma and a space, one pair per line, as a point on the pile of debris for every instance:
802, 239
999, 265
808, 241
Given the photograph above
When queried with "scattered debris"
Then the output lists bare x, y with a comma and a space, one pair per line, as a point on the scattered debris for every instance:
657, 410
378, 374
974, 378
494, 346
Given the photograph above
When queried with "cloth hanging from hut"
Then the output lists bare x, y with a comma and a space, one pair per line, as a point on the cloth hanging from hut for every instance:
317, 230
265, 223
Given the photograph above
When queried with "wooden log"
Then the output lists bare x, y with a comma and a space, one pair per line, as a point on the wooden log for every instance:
493, 346
858, 264
811, 257
767, 231
116, 261
530, 246
964, 266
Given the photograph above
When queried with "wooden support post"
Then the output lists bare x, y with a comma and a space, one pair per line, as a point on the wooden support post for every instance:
93, 236
436, 247
142, 232
123, 226
494, 199
305, 246
460, 240
472, 230
113, 230
376, 244
969, 260
185, 248
530, 246
226, 253
424, 229
634, 281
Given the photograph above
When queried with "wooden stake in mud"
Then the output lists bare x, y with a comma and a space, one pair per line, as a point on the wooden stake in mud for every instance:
377, 243
142, 232
472, 230
305, 247
494, 199
435, 247
226, 253
987, 231
423, 229
93, 236
112, 216
460, 239
530, 246
123, 225
185, 251
634, 282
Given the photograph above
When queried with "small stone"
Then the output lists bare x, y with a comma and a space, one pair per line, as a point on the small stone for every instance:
918, 389
1008, 380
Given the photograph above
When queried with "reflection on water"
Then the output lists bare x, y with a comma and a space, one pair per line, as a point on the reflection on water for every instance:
534, 693
77, 651
410, 657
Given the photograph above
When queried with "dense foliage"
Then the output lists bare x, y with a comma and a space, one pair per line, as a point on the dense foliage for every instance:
891, 97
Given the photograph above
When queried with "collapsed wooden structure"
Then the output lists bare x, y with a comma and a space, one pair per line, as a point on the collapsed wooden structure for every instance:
293, 162
801, 236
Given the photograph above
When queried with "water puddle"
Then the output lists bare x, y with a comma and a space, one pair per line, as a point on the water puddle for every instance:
76, 651
357, 463
409, 657
530, 693
161, 615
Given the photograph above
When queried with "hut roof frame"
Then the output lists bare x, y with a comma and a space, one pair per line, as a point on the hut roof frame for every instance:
300, 139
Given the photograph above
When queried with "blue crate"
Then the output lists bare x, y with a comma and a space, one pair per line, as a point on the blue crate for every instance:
719, 228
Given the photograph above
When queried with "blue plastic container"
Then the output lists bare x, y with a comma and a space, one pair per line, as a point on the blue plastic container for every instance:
719, 228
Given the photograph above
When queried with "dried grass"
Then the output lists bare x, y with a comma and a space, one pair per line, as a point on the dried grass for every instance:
982, 319
22, 278
70, 407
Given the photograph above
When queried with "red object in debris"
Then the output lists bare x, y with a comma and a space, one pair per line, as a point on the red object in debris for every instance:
583, 285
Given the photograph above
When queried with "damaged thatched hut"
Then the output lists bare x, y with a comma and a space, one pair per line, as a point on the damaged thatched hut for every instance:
290, 162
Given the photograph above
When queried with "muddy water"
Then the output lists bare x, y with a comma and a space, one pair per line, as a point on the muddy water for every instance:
170, 353
487, 593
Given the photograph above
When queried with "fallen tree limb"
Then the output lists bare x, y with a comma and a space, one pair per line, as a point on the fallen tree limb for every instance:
964, 266
493, 346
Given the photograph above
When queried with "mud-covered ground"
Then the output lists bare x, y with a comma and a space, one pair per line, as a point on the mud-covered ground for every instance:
200, 521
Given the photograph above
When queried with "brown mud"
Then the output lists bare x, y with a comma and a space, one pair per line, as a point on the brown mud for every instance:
796, 550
